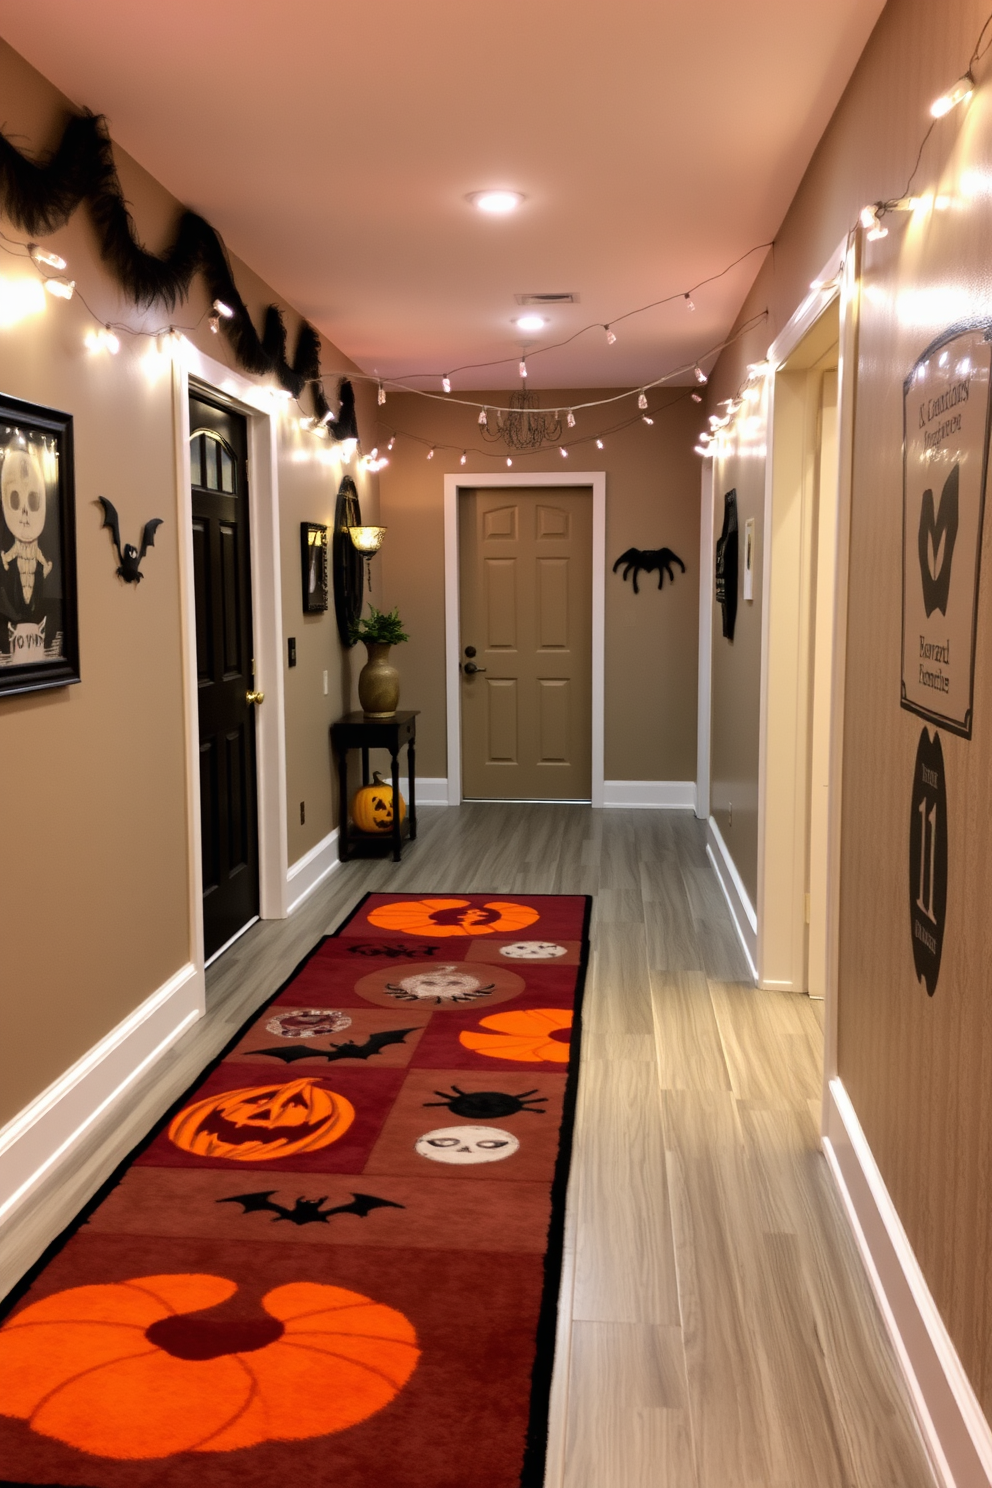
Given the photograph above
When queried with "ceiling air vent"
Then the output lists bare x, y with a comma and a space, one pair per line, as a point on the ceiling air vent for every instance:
561, 298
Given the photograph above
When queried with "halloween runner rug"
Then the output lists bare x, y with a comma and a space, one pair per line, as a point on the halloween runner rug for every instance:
336, 1260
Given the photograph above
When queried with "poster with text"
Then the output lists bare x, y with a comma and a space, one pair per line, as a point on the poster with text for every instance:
945, 454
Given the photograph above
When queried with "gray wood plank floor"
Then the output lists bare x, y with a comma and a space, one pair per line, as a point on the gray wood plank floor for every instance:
716, 1328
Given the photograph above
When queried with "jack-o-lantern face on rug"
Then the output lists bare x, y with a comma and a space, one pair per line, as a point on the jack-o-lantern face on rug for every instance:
442, 988
442, 984
263, 1122
525, 1036
134, 1369
453, 917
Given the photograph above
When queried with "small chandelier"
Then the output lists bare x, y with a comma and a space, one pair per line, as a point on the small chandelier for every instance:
525, 426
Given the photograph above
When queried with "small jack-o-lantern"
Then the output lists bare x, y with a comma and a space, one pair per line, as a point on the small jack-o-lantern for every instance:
524, 1036
262, 1122
148, 1367
372, 807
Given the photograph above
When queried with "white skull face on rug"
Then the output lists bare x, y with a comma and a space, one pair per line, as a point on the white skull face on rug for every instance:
467, 1144
299, 1023
439, 985
533, 950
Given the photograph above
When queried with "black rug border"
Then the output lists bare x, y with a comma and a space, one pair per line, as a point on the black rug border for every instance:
536, 1442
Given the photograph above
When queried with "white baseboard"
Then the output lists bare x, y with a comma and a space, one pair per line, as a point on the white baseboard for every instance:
432, 790
657, 795
741, 908
303, 876
44, 1132
954, 1427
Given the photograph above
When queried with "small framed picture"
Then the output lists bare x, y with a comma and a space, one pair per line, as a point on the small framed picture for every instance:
39, 642
749, 559
313, 553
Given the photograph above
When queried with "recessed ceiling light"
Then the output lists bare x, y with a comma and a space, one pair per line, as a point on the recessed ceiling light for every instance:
496, 202
531, 323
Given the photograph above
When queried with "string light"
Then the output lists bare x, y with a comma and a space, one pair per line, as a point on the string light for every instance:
523, 367
960, 93
329, 418
222, 309
446, 383
689, 302
103, 340
62, 289
381, 396
611, 336
50, 260
430, 453
570, 421
392, 441
642, 401
648, 420
563, 452
20, 298
873, 228
509, 462
600, 444
700, 375
483, 420
697, 397
464, 458
215, 323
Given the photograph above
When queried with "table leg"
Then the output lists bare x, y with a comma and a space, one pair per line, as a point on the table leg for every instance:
344, 846
411, 775
397, 840
365, 764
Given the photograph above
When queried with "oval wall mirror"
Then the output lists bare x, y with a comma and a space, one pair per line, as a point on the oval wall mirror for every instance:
349, 568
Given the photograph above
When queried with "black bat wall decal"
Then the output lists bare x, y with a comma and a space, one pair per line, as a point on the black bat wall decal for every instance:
130, 558
646, 560
308, 1211
374, 1044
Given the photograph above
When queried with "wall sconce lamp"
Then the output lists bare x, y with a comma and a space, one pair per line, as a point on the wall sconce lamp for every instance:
367, 540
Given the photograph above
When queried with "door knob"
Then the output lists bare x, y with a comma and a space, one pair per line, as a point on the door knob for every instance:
254, 697
471, 668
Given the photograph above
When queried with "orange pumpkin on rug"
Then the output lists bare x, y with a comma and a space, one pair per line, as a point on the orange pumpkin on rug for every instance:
79, 1366
263, 1121
524, 1035
372, 806
453, 917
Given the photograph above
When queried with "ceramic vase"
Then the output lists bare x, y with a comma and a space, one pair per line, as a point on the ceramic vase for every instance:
378, 682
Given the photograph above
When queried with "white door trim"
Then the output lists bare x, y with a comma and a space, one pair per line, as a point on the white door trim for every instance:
453, 484
192, 369
707, 580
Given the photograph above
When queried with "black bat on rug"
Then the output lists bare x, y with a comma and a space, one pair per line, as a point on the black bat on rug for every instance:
374, 1044
646, 560
130, 558
411, 952
308, 1211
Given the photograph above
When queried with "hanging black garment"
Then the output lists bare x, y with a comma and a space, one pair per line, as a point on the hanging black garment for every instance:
726, 565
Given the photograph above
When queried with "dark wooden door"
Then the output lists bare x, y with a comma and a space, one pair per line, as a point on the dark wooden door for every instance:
225, 671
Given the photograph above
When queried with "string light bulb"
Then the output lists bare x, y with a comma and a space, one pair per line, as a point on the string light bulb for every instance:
611, 336
446, 383
647, 420
697, 397
509, 462
215, 323
103, 340
960, 93
222, 309
563, 452
381, 395
392, 441
523, 367
873, 228
464, 458
700, 375
642, 401
483, 420
430, 453
600, 444
570, 421
50, 260
62, 289
689, 302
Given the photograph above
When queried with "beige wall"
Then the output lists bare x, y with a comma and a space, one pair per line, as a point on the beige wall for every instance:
652, 500
915, 1067
95, 905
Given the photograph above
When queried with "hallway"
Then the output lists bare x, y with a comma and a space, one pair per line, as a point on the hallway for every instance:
719, 1328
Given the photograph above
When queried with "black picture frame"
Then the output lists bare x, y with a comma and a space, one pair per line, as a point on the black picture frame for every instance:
349, 566
39, 630
313, 560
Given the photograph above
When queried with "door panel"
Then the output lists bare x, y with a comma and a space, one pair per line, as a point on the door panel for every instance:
222, 589
526, 608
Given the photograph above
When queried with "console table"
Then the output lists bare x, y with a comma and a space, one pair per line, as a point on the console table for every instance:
355, 731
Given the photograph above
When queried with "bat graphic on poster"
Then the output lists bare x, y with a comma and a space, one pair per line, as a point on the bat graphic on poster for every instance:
307, 1211
130, 557
374, 1044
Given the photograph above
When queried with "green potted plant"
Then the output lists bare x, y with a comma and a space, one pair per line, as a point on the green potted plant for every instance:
379, 681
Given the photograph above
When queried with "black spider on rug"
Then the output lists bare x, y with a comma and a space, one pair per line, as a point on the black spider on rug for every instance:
481, 1105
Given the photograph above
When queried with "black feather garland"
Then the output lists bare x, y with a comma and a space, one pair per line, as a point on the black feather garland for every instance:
41, 196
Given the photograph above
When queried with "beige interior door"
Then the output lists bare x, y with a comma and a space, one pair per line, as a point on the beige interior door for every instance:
525, 574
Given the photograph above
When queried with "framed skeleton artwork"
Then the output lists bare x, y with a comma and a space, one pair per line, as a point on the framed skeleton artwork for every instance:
39, 645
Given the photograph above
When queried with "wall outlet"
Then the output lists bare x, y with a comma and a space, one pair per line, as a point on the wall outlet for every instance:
303, 813
325, 683
291, 643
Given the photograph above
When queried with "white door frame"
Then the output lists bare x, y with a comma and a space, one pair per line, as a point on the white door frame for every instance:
453, 484
191, 369
707, 582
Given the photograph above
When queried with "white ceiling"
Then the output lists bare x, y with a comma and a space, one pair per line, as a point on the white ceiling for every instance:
333, 147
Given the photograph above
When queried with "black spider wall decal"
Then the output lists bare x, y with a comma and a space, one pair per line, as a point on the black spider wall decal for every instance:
648, 560
481, 1105
130, 557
